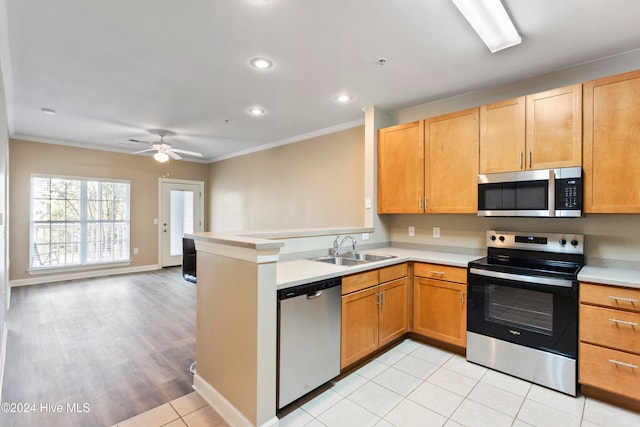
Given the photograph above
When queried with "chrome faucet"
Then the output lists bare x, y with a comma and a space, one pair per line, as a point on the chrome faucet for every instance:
336, 246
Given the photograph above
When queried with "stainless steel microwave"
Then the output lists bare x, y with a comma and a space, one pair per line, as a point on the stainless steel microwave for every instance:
536, 193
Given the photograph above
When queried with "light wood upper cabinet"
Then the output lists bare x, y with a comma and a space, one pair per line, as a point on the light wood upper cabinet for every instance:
502, 136
611, 144
539, 131
401, 168
554, 128
451, 162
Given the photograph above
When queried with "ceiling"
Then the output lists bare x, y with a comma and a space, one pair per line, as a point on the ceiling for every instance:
114, 69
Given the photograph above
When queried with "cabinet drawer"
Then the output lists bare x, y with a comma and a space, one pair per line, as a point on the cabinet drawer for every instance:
441, 272
393, 272
611, 328
357, 282
610, 296
610, 370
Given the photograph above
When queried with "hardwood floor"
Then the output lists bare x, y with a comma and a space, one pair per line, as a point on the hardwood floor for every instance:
104, 349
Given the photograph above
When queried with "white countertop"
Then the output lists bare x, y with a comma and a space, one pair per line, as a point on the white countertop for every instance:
297, 272
610, 276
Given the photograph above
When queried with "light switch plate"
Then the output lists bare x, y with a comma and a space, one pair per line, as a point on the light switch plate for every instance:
436, 231
412, 231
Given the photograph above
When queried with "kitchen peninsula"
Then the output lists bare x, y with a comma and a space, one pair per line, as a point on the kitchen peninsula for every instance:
238, 278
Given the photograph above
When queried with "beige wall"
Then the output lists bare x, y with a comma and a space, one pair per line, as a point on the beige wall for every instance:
31, 157
316, 183
4, 235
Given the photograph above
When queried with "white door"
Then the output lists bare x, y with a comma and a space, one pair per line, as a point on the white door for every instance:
181, 212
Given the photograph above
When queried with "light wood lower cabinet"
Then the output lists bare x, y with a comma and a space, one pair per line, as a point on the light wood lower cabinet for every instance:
609, 351
439, 303
374, 311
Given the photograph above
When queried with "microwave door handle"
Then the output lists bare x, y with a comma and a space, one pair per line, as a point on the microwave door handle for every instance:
552, 192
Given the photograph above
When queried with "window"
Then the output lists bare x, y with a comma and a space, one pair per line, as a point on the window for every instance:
77, 221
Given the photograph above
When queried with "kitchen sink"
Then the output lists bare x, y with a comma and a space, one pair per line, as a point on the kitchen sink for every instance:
351, 259
369, 257
338, 260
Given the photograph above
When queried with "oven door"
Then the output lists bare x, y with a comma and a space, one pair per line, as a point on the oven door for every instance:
536, 312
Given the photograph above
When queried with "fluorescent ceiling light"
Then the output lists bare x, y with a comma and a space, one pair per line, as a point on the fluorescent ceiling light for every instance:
489, 19
161, 157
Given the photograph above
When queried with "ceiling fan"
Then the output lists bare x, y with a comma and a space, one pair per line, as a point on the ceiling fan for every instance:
164, 150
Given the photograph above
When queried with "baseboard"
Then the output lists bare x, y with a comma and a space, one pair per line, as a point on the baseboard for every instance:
225, 408
3, 353
82, 275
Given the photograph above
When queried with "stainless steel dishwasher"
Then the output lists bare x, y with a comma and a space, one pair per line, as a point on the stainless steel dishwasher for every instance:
308, 338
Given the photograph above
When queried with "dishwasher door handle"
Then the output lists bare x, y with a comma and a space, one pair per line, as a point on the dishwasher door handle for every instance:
314, 295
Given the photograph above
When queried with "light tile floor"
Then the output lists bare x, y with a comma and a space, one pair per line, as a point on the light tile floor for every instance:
414, 384
189, 410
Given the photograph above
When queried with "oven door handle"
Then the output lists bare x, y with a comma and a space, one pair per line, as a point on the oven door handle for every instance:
538, 280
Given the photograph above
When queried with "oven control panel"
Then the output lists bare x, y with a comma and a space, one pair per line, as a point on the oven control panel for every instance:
548, 242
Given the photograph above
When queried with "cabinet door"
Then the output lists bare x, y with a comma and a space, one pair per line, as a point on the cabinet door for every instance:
440, 310
502, 136
611, 148
359, 325
451, 162
401, 168
554, 128
393, 321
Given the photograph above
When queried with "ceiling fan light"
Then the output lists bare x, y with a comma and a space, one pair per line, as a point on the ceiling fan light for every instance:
161, 157
490, 20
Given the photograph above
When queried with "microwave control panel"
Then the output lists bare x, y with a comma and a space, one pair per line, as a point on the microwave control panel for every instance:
569, 194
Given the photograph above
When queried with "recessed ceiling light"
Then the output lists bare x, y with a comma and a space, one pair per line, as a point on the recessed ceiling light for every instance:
261, 63
256, 111
344, 98
48, 111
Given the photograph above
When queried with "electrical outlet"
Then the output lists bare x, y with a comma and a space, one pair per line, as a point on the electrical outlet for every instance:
365, 236
367, 203
412, 231
135, 251
436, 231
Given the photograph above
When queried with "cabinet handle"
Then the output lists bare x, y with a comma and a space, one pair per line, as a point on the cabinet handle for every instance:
378, 298
622, 299
623, 322
426, 203
521, 159
628, 365
382, 298
463, 298
530, 161
437, 273
420, 204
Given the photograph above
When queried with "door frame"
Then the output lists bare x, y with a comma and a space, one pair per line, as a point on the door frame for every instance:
159, 219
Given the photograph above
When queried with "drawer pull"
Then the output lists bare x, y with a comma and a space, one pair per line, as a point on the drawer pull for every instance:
624, 322
628, 365
437, 273
623, 299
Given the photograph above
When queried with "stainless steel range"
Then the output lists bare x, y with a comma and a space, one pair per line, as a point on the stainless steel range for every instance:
522, 314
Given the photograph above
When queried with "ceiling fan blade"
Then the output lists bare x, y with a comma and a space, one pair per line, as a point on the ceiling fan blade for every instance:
173, 155
190, 153
139, 141
144, 151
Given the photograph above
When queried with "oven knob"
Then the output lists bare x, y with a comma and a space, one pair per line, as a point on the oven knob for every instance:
563, 242
574, 242
493, 238
501, 238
